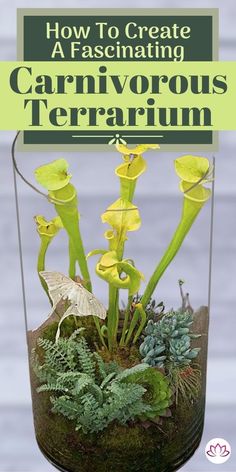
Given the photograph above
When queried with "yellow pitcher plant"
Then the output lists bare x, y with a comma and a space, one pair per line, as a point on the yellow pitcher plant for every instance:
55, 178
47, 230
122, 217
193, 172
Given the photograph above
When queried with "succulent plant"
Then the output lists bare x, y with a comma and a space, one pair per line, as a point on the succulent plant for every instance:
151, 350
158, 393
180, 350
169, 339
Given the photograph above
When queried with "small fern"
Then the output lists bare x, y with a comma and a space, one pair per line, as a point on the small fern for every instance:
86, 358
65, 406
133, 370
87, 390
105, 368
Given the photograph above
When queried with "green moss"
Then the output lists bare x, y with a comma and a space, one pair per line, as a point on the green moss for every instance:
125, 356
69, 325
133, 447
126, 439
118, 448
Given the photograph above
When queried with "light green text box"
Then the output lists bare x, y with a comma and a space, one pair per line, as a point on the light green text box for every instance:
15, 116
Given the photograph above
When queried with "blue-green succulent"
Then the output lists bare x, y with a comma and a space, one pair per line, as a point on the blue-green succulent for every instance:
169, 340
180, 350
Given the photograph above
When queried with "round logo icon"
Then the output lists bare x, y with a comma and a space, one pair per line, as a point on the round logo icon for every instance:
218, 450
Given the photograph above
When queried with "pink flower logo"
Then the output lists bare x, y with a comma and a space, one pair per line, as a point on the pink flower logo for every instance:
218, 450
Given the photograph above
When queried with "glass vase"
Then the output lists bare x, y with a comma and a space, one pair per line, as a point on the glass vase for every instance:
81, 374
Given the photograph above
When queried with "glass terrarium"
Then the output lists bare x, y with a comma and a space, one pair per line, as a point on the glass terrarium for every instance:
115, 251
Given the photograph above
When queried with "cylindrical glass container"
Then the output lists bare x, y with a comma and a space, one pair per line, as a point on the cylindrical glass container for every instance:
117, 376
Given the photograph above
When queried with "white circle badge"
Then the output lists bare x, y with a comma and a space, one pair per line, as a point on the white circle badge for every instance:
218, 450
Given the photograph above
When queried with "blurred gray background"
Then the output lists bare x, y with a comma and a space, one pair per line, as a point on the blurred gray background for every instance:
159, 209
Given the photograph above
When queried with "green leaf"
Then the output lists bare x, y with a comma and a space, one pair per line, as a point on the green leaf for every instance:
89, 390
112, 239
128, 174
53, 176
192, 168
122, 215
137, 150
95, 252
48, 228
131, 371
133, 276
199, 194
109, 259
64, 195
131, 170
119, 274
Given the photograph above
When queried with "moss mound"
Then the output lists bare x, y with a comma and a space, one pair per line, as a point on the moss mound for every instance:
134, 447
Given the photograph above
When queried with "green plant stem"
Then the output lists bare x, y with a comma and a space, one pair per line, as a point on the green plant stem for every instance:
80, 254
113, 309
126, 320
77, 252
72, 260
68, 213
120, 246
132, 325
72, 274
99, 330
189, 214
139, 312
45, 241
142, 324
127, 189
113, 317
